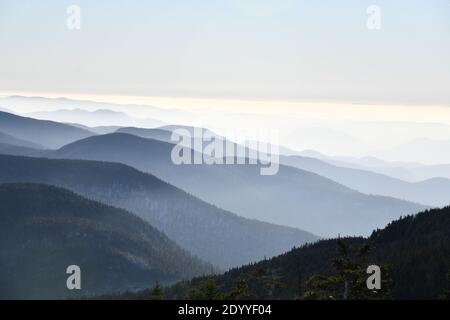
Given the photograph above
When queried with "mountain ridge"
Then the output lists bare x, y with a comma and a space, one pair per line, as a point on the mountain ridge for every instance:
44, 229
45, 133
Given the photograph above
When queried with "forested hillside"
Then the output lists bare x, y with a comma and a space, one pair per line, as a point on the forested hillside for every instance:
44, 229
413, 252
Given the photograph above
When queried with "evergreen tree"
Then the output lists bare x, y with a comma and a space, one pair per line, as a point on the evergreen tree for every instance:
265, 284
240, 291
207, 289
157, 292
349, 280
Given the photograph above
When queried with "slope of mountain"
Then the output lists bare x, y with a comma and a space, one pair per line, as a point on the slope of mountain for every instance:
45, 133
95, 118
8, 139
414, 173
433, 192
407, 171
415, 249
9, 149
292, 197
44, 229
214, 235
192, 130
165, 134
156, 134
97, 130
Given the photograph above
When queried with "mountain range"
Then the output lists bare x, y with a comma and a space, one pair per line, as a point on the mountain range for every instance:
292, 197
212, 234
287, 198
23, 105
406, 171
94, 118
432, 192
70, 188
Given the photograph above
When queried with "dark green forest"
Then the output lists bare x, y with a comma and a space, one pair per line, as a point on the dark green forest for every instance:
413, 253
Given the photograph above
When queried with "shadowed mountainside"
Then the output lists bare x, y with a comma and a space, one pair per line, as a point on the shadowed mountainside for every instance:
44, 229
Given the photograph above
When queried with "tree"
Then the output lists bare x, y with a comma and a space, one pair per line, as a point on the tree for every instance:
240, 291
157, 292
349, 278
321, 287
207, 289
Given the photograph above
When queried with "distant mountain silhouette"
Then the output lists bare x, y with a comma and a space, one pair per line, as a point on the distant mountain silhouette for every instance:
44, 229
215, 235
433, 192
413, 173
45, 133
352, 162
94, 118
403, 170
166, 115
293, 197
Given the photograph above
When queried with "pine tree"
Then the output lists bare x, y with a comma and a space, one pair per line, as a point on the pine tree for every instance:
157, 292
240, 291
207, 289
349, 280
265, 283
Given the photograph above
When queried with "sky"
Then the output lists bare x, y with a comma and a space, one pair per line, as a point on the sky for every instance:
301, 50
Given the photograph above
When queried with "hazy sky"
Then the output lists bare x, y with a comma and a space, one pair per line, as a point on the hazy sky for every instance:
280, 49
